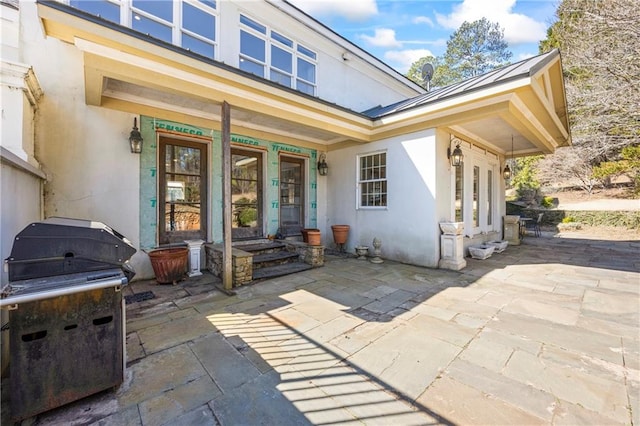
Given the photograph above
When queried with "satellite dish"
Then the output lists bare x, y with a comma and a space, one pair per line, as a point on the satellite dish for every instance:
427, 73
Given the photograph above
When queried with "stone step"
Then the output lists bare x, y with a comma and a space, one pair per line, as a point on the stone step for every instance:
279, 270
258, 248
264, 260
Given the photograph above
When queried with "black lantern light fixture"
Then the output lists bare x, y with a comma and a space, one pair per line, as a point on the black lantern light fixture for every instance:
323, 168
506, 173
135, 138
455, 156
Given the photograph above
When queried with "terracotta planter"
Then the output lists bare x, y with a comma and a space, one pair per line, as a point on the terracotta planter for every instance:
170, 264
340, 233
313, 238
305, 233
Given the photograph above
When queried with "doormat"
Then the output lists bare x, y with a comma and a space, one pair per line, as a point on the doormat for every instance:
139, 297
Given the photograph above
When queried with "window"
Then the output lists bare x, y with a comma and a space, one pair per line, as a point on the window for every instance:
190, 24
269, 54
489, 197
459, 197
476, 195
372, 180
182, 183
102, 8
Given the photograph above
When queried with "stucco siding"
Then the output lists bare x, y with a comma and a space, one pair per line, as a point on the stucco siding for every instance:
408, 225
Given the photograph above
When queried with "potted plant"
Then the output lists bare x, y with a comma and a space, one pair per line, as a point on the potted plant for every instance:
340, 233
169, 264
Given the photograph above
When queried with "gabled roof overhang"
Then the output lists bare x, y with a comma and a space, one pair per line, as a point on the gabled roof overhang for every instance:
127, 71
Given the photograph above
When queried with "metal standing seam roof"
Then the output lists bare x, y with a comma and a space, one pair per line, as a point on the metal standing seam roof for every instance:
515, 71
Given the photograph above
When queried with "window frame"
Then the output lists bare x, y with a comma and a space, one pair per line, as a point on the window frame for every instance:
297, 51
128, 10
360, 182
170, 237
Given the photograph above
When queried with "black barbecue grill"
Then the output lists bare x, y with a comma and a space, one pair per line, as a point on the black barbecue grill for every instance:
66, 315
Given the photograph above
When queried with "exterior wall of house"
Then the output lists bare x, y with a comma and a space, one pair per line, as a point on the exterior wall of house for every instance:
20, 190
485, 228
348, 83
270, 152
20, 176
84, 149
420, 185
408, 225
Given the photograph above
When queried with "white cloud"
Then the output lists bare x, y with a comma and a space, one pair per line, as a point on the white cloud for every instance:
383, 37
353, 10
401, 60
423, 20
523, 56
518, 28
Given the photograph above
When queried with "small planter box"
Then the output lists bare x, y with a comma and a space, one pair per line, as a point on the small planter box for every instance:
481, 252
500, 246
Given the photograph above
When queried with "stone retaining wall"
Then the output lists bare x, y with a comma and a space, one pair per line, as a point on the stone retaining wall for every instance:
241, 263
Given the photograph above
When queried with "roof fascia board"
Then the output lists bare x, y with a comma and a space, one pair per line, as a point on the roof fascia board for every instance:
538, 91
212, 116
525, 117
441, 109
171, 115
114, 63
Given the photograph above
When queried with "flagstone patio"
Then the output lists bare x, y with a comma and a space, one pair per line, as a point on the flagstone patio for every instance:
543, 333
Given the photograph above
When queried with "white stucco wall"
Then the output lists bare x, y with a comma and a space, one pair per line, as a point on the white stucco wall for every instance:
85, 150
353, 83
408, 226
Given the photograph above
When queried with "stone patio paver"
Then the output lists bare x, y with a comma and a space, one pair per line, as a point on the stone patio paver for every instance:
544, 333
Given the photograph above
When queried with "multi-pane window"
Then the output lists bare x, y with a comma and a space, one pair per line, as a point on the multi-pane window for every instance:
269, 54
182, 180
372, 180
459, 196
489, 197
476, 195
191, 24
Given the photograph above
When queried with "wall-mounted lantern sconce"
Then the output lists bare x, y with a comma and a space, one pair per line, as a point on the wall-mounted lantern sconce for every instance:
323, 168
135, 138
455, 156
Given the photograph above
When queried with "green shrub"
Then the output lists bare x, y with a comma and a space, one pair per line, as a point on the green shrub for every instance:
568, 219
547, 202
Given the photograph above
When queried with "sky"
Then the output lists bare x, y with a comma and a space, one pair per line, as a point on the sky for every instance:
399, 32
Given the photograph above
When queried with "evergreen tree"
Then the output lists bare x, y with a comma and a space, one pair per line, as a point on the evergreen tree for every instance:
473, 49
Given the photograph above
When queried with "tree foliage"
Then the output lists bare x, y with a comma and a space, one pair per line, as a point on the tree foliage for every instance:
600, 51
525, 175
476, 48
628, 165
473, 49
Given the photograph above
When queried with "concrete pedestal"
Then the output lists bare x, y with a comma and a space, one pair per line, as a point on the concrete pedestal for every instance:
195, 248
511, 228
451, 252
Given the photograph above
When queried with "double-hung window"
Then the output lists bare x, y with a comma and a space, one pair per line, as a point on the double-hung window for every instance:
190, 24
269, 54
372, 180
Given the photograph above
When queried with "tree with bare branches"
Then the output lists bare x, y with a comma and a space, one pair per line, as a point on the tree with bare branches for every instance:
600, 48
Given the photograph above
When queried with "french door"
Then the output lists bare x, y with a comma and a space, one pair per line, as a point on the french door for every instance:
246, 194
182, 181
291, 195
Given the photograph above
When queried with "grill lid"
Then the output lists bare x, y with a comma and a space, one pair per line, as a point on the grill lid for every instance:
58, 246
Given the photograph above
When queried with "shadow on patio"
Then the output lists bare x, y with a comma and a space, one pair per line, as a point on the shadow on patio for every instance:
539, 333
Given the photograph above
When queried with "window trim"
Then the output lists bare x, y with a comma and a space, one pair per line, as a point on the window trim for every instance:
294, 50
127, 10
359, 181
164, 236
